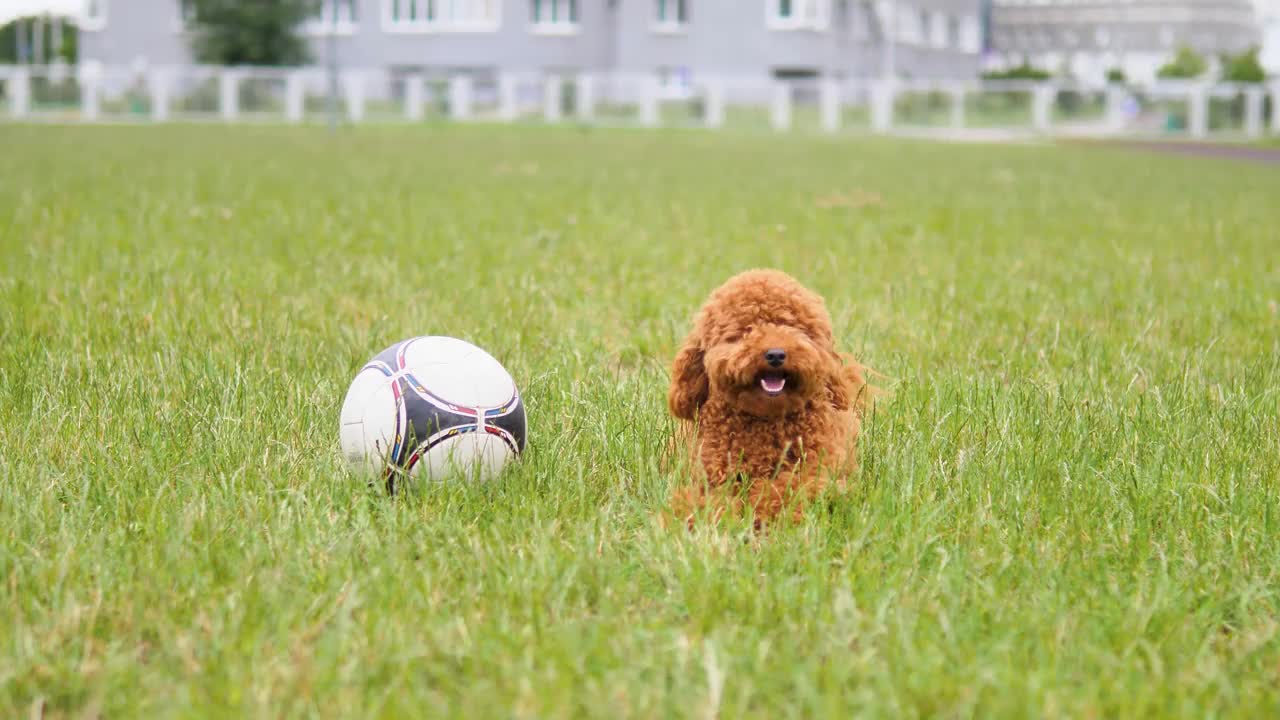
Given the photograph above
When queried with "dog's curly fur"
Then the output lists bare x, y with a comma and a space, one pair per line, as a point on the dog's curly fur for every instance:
749, 447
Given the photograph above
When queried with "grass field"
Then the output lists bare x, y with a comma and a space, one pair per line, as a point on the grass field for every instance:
1067, 508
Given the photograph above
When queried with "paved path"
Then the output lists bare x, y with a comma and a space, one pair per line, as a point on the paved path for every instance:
1229, 151
968, 135
1256, 153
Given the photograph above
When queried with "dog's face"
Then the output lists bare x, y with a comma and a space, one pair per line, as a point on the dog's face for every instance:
765, 368
763, 344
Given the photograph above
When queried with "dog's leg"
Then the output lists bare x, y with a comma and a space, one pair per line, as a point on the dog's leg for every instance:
787, 491
688, 503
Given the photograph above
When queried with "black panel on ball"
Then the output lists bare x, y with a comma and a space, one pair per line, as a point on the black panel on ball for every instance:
513, 422
427, 424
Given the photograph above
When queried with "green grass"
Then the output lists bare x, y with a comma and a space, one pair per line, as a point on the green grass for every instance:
1067, 508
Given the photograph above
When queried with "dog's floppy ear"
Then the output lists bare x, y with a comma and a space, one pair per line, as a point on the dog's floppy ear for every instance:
689, 386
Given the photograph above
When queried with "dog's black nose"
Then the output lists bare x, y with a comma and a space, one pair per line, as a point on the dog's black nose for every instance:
775, 357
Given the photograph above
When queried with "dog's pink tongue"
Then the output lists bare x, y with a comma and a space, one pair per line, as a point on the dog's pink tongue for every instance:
773, 384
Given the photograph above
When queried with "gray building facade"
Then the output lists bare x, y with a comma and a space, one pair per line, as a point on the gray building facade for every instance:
676, 39
1087, 38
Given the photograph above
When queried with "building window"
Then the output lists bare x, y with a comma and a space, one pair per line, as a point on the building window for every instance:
910, 26
797, 14
863, 19
403, 11
95, 15
970, 35
186, 15
671, 15
440, 15
336, 17
555, 16
938, 30
954, 33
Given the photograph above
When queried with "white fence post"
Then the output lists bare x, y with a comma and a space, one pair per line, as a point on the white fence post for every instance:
1041, 103
882, 93
1275, 108
20, 92
159, 87
1253, 112
413, 94
507, 98
780, 108
648, 100
585, 97
460, 97
830, 101
1115, 107
90, 92
1198, 111
229, 94
552, 96
957, 106
353, 89
294, 96
713, 110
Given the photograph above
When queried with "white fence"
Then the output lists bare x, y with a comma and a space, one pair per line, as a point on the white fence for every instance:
301, 95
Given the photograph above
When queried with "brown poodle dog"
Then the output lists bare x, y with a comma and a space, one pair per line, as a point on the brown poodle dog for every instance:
773, 411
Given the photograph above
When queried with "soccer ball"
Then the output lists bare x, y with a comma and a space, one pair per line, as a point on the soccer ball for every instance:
432, 407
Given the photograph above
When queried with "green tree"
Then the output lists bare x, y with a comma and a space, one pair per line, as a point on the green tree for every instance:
1025, 71
1243, 68
9, 39
1116, 76
1187, 64
250, 32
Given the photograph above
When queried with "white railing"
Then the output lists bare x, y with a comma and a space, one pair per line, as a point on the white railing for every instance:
300, 95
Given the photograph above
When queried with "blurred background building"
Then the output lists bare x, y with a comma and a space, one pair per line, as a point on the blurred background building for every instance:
1087, 39
1269, 16
681, 39
678, 39
755, 63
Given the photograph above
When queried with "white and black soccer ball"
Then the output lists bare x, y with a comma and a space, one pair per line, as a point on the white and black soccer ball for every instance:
432, 407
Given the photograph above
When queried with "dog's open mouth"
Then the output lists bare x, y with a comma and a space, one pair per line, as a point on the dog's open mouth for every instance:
773, 383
